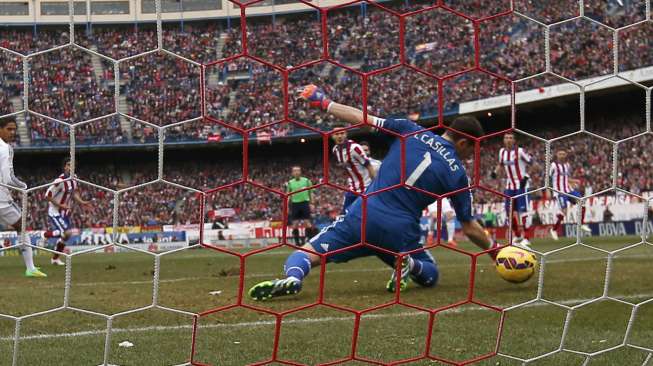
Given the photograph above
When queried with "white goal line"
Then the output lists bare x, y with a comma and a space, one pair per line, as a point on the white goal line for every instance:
163, 328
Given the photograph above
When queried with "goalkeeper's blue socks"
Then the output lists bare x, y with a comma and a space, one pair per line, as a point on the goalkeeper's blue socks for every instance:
424, 273
298, 265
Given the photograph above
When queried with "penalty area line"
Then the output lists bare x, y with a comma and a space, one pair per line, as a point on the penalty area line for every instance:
164, 328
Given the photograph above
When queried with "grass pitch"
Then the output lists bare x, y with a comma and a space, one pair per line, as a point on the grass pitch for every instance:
198, 280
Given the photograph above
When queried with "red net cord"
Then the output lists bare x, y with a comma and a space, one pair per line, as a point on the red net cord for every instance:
397, 300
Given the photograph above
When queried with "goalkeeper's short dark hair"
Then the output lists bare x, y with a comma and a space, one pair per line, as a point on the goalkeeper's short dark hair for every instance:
468, 125
7, 120
65, 161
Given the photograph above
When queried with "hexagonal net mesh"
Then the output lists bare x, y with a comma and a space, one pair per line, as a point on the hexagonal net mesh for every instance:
477, 67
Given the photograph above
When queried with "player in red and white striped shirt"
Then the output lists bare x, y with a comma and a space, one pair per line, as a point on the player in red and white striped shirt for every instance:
376, 164
356, 164
561, 181
513, 161
59, 196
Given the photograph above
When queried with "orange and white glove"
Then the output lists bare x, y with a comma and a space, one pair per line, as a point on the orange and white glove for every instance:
315, 96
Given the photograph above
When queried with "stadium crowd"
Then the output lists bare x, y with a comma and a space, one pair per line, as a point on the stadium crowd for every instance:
65, 86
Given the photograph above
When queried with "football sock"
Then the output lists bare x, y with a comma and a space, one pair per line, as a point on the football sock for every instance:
28, 258
451, 230
515, 227
298, 265
295, 235
524, 223
556, 227
582, 215
424, 273
60, 247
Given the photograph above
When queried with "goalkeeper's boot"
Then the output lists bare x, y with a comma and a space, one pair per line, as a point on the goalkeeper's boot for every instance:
406, 266
275, 288
554, 234
586, 229
35, 273
57, 262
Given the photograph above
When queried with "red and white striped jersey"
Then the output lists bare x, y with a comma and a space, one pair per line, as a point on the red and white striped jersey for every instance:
560, 175
514, 164
351, 156
62, 191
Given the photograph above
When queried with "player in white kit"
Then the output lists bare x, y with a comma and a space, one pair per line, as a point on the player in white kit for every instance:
448, 217
10, 215
351, 157
562, 181
59, 196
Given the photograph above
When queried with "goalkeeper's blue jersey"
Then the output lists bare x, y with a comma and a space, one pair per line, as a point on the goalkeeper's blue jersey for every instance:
431, 164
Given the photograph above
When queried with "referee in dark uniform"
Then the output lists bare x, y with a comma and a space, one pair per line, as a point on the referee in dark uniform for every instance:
300, 204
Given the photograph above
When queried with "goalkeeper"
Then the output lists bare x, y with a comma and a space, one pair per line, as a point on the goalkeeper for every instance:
433, 164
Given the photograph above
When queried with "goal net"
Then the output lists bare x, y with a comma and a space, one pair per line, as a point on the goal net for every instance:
184, 131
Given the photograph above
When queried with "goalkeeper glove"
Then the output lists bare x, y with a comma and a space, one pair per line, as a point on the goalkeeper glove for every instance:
522, 182
493, 174
315, 96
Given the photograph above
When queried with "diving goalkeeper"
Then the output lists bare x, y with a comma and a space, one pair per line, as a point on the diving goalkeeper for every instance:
433, 164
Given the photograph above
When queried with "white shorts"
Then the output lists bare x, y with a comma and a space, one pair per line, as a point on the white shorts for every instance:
9, 215
446, 207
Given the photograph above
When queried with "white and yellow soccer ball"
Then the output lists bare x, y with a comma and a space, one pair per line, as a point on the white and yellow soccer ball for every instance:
515, 264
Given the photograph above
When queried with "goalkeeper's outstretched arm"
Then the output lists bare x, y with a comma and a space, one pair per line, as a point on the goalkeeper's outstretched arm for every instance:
317, 98
348, 114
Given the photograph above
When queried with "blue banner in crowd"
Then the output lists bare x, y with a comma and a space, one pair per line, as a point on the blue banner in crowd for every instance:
91, 238
614, 228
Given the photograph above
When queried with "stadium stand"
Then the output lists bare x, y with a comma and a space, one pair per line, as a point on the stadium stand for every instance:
248, 94
81, 95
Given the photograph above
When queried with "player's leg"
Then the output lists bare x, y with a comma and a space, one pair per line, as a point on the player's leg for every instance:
521, 204
298, 265
61, 225
419, 267
433, 229
305, 214
450, 223
11, 214
511, 213
583, 226
425, 270
293, 220
403, 238
561, 203
55, 231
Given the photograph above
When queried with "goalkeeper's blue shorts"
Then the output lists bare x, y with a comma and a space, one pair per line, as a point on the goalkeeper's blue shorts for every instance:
399, 236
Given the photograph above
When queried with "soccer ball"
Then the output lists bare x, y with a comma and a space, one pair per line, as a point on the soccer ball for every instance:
515, 265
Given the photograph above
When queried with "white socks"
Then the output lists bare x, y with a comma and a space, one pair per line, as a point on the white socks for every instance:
28, 258
451, 229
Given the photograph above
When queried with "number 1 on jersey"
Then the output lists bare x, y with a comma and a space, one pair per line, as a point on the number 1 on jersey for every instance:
419, 170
